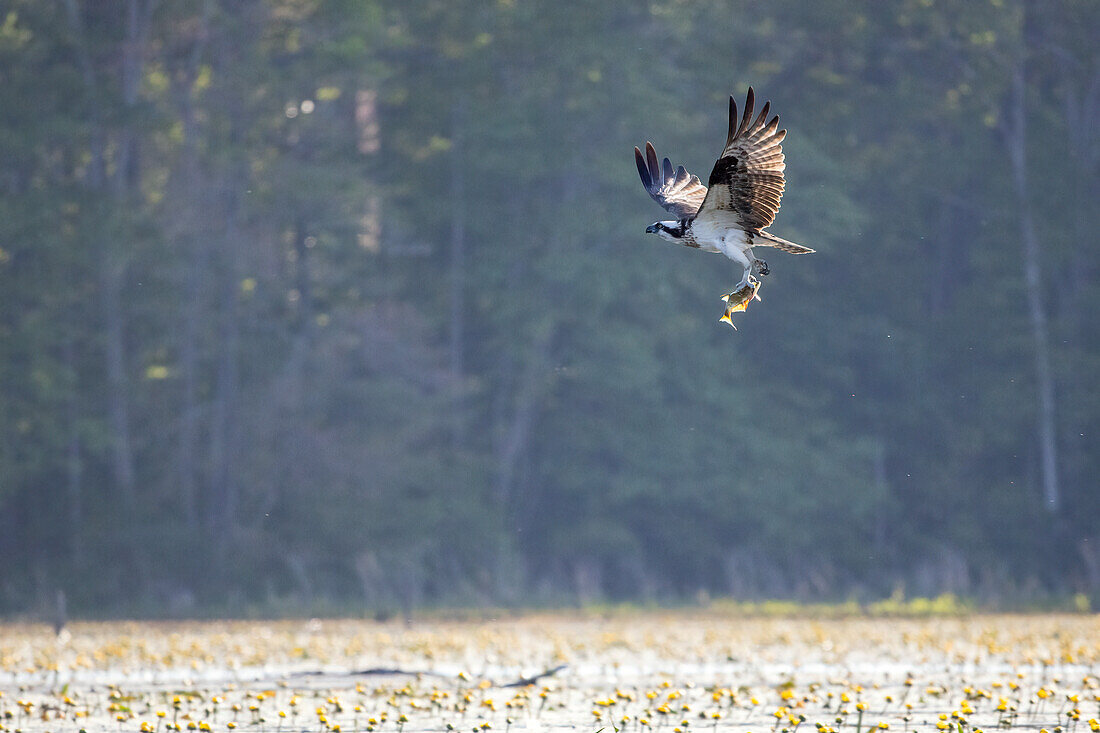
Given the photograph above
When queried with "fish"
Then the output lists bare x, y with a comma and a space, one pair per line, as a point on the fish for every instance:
738, 300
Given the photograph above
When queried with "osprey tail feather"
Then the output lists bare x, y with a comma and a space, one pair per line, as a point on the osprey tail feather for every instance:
764, 239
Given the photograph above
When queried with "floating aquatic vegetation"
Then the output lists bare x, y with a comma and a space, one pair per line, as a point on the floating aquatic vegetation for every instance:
640, 674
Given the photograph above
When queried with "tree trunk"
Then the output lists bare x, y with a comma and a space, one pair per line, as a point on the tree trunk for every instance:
111, 263
458, 237
457, 302
194, 195
1014, 131
124, 179
73, 461
189, 368
118, 403
222, 494
516, 434
223, 434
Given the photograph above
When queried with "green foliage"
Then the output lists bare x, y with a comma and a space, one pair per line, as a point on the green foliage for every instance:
357, 294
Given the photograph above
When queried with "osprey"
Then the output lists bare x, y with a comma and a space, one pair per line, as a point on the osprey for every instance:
740, 200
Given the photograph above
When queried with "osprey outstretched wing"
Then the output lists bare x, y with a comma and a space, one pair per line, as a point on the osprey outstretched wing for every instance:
747, 179
678, 191
742, 197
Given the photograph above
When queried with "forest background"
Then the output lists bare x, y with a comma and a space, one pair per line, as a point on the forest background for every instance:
348, 304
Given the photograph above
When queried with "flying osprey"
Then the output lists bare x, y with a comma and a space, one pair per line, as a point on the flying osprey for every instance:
742, 199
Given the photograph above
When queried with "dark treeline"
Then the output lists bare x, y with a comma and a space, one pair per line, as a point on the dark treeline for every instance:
349, 302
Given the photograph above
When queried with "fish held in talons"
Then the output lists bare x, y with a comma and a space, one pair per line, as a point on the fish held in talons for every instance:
738, 300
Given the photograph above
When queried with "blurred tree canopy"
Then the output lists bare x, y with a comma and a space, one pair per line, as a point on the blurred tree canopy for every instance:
309, 302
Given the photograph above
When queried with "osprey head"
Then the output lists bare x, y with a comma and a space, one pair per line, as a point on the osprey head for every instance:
669, 230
